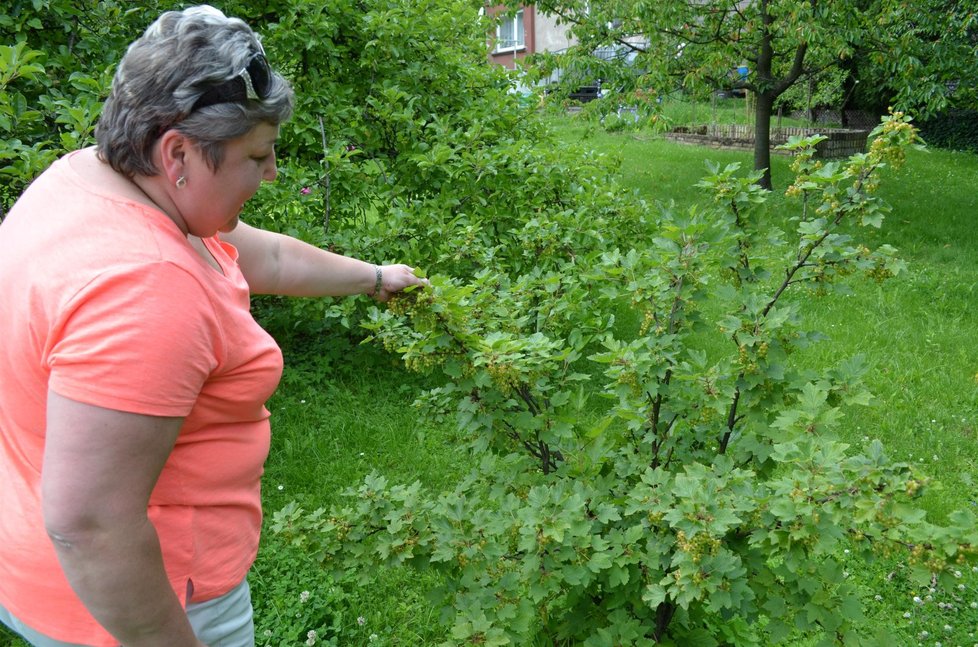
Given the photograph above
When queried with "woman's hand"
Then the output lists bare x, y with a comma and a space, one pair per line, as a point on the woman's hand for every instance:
394, 278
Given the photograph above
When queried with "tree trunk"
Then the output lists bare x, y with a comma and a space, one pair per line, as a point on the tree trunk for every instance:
663, 616
848, 88
767, 89
762, 136
764, 98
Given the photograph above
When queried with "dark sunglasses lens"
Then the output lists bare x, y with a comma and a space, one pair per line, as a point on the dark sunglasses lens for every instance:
261, 75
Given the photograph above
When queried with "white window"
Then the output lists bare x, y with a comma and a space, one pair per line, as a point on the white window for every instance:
510, 34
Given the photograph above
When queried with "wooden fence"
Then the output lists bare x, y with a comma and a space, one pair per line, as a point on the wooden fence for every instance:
841, 142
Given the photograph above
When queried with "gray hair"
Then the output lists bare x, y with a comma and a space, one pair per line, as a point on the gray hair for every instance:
165, 71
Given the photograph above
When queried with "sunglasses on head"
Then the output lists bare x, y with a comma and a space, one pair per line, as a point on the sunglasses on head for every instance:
253, 82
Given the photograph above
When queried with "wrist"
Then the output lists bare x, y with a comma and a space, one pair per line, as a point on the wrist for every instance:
378, 281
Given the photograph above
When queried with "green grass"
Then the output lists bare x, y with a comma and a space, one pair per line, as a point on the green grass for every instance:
336, 421
677, 111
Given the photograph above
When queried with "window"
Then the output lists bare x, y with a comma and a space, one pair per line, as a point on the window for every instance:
509, 34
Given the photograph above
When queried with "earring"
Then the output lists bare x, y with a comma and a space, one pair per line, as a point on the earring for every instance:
181, 182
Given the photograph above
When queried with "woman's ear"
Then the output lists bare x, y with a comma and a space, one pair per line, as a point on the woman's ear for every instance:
172, 149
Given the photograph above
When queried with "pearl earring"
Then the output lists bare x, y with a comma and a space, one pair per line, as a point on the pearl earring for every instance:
181, 182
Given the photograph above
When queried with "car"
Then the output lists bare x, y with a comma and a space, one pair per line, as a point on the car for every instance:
587, 93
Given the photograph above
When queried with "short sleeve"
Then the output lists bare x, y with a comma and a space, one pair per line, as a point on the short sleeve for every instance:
141, 339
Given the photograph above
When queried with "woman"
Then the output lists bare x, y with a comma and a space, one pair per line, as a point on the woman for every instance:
133, 377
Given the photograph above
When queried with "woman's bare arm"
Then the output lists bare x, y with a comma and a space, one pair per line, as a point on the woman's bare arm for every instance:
100, 466
277, 264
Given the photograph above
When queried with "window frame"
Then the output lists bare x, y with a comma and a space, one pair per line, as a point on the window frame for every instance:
518, 26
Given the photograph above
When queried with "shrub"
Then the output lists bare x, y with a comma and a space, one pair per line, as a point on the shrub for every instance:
371, 166
709, 500
955, 129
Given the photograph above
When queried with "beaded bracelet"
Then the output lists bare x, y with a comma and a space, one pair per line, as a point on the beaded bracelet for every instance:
380, 279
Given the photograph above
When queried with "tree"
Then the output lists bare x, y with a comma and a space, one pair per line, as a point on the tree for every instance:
918, 50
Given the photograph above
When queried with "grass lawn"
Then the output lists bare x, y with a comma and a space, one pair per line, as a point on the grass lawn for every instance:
335, 420
731, 110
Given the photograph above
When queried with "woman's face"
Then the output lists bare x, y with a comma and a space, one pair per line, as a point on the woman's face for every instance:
212, 201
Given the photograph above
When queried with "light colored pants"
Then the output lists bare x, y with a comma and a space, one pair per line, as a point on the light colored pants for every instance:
222, 622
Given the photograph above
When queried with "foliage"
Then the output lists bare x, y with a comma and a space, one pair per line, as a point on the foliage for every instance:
372, 166
954, 129
709, 501
920, 55
912, 52
822, 90
55, 68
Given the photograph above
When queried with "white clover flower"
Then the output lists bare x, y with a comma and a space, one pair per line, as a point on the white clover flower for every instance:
917, 600
948, 628
372, 637
907, 615
924, 634
878, 597
961, 587
957, 574
304, 597
311, 637
974, 605
361, 620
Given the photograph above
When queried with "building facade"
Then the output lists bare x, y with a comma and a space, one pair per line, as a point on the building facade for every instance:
524, 32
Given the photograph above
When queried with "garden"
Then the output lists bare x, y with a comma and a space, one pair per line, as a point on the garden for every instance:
644, 401
912, 331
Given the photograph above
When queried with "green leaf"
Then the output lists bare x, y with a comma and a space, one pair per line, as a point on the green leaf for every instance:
618, 577
600, 561
653, 595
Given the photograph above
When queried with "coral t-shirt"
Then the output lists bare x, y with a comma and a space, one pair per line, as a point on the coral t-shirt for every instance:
104, 301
